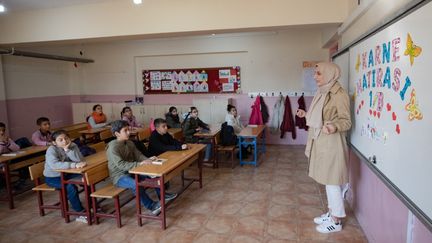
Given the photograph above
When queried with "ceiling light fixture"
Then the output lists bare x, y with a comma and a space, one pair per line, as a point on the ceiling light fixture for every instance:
2, 8
137, 1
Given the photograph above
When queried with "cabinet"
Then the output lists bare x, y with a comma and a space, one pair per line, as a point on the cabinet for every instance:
212, 111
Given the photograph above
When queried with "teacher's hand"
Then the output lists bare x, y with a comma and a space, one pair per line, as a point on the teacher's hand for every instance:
301, 113
329, 128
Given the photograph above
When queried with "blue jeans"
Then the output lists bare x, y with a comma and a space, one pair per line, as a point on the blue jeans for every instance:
72, 191
127, 181
208, 152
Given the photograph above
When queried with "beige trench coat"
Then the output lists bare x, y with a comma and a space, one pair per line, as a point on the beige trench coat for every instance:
328, 154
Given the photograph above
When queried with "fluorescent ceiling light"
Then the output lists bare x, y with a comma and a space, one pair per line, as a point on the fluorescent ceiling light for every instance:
137, 1
2, 8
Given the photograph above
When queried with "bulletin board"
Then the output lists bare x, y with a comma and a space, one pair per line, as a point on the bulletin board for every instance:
191, 80
390, 86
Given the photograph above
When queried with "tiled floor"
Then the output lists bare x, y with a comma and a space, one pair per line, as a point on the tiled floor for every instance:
275, 202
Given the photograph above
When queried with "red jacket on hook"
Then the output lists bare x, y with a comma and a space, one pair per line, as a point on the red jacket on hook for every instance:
301, 122
256, 117
288, 121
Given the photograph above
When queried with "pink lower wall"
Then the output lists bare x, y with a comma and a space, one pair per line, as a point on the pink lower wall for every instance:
381, 214
22, 113
3, 112
241, 101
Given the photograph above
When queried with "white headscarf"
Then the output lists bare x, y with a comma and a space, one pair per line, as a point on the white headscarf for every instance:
331, 73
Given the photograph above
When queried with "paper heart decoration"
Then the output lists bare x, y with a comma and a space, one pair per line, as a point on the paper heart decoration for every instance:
370, 112
374, 113
362, 102
397, 129
388, 107
379, 114
394, 116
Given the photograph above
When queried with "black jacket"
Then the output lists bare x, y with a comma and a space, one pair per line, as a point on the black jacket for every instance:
159, 144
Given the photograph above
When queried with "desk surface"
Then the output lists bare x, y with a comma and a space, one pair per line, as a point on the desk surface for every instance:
134, 131
92, 161
23, 152
173, 131
214, 130
252, 131
78, 126
174, 159
94, 130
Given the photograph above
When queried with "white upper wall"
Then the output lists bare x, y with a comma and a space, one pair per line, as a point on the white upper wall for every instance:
269, 60
123, 18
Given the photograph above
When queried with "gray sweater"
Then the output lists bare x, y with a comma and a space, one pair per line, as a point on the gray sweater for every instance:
122, 157
56, 158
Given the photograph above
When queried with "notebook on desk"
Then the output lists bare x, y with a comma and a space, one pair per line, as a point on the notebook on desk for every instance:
157, 161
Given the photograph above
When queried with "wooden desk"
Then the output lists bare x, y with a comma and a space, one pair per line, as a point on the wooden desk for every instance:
92, 161
177, 133
29, 156
93, 132
248, 136
214, 131
177, 162
135, 131
73, 130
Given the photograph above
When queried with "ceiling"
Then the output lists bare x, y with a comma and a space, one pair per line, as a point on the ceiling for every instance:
25, 5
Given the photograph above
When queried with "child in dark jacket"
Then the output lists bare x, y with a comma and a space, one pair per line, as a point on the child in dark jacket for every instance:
192, 125
172, 118
161, 141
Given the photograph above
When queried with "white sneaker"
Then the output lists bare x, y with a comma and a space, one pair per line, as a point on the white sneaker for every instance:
329, 227
82, 219
323, 218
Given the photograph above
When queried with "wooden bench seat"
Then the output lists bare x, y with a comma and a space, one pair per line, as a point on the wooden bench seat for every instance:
43, 187
109, 191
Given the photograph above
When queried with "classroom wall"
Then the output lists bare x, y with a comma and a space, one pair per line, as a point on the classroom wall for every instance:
34, 88
3, 109
163, 17
269, 60
383, 217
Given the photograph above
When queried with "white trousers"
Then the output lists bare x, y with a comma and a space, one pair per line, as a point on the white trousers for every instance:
335, 201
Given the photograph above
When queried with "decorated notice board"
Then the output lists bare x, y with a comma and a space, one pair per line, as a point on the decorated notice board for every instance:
390, 85
192, 80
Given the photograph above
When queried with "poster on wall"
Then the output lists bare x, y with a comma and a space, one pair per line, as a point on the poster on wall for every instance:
192, 80
308, 73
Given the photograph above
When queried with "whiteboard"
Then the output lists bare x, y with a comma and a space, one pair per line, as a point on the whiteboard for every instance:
342, 60
390, 89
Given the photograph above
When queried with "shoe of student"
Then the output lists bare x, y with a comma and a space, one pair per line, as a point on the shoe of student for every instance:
329, 227
170, 196
82, 219
156, 209
323, 218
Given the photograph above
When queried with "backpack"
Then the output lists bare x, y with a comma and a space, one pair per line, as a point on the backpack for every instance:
23, 142
227, 134
84, 149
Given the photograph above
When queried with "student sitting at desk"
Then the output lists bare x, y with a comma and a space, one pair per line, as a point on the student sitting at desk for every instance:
192, 125
42, 136
97, 119
161, 141
64, 154
233, 119
127, 115
122, 157
7, 145
172, 118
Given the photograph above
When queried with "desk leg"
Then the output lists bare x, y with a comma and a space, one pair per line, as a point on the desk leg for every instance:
64, 196
263, 141
137, 200
87, 202
162, 201
200, 165
255, 151
8, 185
182, 178
240, 150
215, 162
